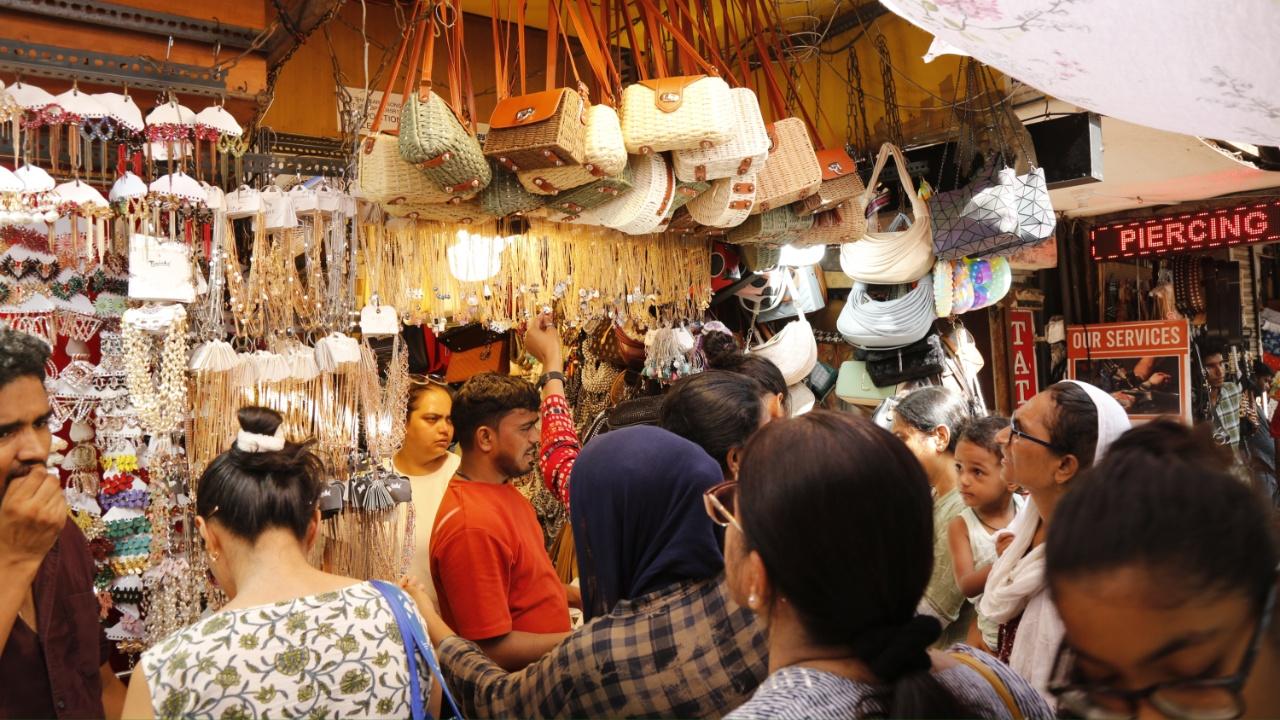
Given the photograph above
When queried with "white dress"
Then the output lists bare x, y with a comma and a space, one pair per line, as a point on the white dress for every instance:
336, 654
428, 491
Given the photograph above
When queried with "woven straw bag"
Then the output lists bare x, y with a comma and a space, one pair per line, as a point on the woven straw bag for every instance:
643, 209
727, 204
385, 177
506, 195
539, 130
432, 136
844, 223
676, 113
887, 258
466, 213
840, 183
745, 151
604, 157
595, 194
792, 172
778, 227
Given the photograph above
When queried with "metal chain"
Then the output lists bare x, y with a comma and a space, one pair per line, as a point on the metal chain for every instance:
892, 120
857, 134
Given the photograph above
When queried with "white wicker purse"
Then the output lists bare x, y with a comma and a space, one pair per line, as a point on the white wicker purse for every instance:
727, 204
676, 113
643, 209
744, 152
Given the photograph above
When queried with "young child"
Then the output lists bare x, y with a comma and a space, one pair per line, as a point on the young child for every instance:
990, 506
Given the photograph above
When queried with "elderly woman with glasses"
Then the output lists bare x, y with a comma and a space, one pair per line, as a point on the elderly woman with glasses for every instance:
1163, 567
1057, 435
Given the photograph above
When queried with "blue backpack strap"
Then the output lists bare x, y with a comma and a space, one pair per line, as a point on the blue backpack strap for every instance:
415, 639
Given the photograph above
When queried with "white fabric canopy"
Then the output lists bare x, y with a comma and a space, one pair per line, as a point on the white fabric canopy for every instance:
1209, 70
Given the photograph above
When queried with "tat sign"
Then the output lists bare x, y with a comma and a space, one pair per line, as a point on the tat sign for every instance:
1022, 351
1144, 365
1240, 225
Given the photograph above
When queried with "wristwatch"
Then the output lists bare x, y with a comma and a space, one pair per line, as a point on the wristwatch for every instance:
548, 377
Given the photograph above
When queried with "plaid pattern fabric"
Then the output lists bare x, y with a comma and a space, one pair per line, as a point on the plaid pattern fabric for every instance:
685, 651
1227, 412
560, 446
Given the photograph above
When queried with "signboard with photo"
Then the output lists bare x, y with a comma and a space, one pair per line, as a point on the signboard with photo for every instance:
1144, 365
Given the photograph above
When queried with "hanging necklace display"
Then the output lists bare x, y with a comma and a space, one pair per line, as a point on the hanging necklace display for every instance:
79, 202
160, 401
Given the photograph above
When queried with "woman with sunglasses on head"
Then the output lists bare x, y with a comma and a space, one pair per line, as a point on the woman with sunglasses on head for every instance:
1163, 567
293, 640
829, 541
928, 421
661, 637
1050, 441
425, 459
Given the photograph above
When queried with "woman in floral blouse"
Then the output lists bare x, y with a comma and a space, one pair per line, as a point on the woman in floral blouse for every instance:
293, 641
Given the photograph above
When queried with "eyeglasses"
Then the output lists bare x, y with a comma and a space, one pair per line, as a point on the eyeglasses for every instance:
1015, 432
1203, 699
718, 500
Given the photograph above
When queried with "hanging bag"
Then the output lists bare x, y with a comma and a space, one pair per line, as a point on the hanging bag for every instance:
886, 324
744, 152
791, 172
889, 258
840, 184
537, 130
917, 361
727, 204
777, 227
644, 208
433, 135
855, 386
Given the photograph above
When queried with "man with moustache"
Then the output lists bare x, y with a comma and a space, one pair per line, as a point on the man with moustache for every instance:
54, 662
494, 579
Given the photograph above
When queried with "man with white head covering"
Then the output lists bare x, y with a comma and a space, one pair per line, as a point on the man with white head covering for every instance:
1058, 434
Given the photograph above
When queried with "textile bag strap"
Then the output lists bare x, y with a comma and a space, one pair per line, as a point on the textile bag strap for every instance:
992, 679
391, 81
415, 644
918, 207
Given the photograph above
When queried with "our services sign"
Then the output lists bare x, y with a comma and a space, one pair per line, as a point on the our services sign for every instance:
1145, 366
1240, 225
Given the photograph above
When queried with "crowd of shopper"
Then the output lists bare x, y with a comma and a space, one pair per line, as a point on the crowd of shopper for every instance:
731, 562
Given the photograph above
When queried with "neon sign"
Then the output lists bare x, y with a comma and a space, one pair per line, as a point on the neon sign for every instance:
1207, 230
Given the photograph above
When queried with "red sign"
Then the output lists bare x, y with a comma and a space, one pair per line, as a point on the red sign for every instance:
1022, 349
1245, 224
1144, 365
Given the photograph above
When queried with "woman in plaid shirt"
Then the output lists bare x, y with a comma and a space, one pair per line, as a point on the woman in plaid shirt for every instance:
663, 638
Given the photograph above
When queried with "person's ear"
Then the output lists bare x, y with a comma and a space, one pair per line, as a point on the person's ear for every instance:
1068, 467
759, 589
734, 461
212, 543
941, 438
486, 439
777, 407
313, 531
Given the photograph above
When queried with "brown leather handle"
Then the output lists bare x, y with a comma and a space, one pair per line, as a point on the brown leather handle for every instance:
391, 81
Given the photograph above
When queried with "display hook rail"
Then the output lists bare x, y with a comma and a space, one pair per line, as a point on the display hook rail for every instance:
89, 66
135, 19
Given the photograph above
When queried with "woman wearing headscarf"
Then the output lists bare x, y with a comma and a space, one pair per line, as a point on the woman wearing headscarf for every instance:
662, 637
1056, 436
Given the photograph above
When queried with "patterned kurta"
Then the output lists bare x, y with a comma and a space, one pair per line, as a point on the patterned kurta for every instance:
336, 654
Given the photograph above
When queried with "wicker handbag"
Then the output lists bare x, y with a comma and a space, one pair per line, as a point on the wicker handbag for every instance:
603, 152
727, 204
844, 223
676, 113
778, 227
792, 172
840, 183
432, 135
539, 130
642, 209
506, 195
464, 213
574, 202
744, 152
386, 179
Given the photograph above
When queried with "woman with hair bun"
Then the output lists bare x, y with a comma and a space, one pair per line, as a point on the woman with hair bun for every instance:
293, 640
829, 540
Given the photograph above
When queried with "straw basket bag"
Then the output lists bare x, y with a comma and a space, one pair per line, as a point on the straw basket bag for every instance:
841, 224
840, 183
792, 172
604, 155
539, 130
505, 195
643, 209
727, 204
385, 177
595, 194
466, 213
677, 113
432, 136
744, 152
779, 227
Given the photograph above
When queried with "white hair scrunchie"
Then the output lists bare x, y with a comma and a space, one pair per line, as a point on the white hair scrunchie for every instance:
255, 443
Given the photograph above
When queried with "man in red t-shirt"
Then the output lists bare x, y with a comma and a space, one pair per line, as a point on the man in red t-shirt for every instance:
496, 584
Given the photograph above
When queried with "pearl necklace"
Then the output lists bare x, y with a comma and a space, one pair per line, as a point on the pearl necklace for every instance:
161, 407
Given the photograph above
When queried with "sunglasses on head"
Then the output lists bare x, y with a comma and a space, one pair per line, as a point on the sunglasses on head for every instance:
432, 379
719, 501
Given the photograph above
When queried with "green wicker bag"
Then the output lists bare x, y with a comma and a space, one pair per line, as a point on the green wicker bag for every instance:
506, 196
595, 194
776, 227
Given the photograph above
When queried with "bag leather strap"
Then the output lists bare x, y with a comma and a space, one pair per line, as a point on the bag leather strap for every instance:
391, 81
993, 680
